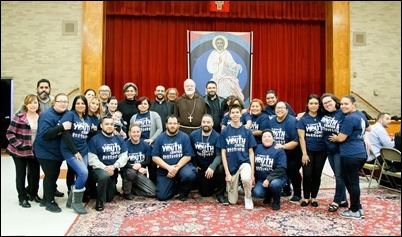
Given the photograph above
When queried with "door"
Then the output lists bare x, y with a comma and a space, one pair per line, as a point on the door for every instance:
6, 108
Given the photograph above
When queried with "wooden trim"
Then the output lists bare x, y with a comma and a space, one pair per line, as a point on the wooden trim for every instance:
92, 45
337, 32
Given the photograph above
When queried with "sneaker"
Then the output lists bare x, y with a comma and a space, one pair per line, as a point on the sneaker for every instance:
248, 203
276, 206
222, 199
295, 199
361, 213
351, 215
53, 207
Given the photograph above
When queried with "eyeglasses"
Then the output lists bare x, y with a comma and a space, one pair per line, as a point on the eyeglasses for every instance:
62, 101
103, 90
327, 102
280, 107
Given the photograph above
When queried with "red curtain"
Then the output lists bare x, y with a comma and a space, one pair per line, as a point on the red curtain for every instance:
146, 43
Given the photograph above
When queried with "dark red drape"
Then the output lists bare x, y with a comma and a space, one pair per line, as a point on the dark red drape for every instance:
146, 43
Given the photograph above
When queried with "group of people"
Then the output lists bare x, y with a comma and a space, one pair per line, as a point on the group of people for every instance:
163, 148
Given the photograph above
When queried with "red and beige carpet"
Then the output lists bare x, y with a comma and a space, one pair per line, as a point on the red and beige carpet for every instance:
205, 216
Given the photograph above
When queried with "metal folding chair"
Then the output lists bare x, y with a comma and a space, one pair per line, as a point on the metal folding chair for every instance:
390, 155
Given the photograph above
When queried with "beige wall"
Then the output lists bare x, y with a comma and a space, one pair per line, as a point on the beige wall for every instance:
33, 47
377, 65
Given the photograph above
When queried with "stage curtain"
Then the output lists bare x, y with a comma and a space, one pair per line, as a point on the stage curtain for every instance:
149, 48
290, 10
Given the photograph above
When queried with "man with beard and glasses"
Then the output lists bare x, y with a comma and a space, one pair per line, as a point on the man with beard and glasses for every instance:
160, 105
215, 104
211, 175
107, 154
172, 154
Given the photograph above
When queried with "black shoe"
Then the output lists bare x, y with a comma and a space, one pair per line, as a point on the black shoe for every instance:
286, 193
37, 199
53, 207
42, 203
314, 203
99, 205
344, 204
276, 206
128, 196
182, 198
58, 194
222, 199
267, 201
25, 204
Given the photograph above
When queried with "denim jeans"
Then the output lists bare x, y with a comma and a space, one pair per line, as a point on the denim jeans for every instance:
334, 159
273, 190
81, 170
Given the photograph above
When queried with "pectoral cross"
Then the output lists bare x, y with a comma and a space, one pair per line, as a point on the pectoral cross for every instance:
219, 5
190, 118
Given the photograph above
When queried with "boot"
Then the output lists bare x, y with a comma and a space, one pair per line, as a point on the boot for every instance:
77, 204
69, 199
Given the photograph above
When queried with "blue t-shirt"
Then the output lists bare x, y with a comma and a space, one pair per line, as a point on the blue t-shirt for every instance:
172, 148
204, 147
313, 135
267, 159
145, 121
106, 148
80, 128
259, 122
330, 124
138, 153
354, 126
284, 131
48, 148
236, 142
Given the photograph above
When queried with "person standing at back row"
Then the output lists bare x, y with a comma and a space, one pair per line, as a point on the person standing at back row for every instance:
215, 104
189, 108
43, 89
161, 105
272, 99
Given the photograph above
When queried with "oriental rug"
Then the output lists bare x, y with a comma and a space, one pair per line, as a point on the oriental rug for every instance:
200, 216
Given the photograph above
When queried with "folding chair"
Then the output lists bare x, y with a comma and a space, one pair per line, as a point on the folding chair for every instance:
371, 168
390, 155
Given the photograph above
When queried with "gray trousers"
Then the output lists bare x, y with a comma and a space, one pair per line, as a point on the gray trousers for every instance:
137, 183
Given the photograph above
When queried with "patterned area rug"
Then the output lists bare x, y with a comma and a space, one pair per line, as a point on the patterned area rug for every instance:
205, 216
